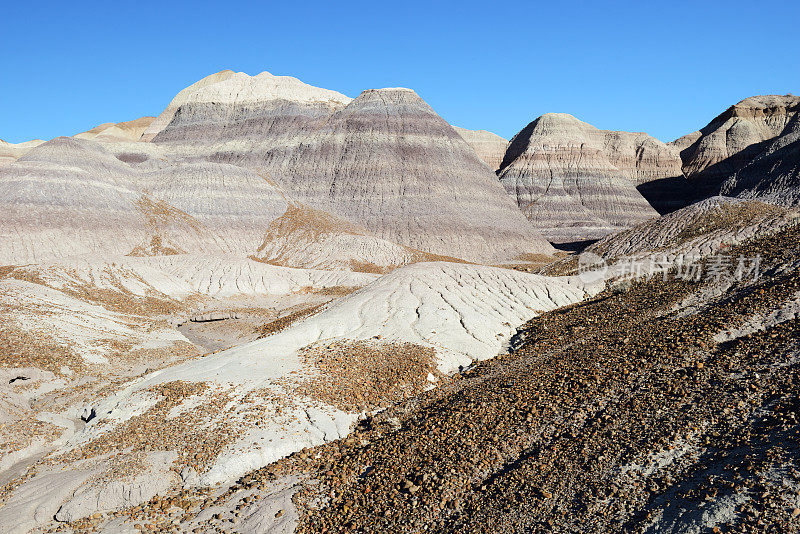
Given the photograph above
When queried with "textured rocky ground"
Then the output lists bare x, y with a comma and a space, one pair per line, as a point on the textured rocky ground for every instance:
114, 419
622, 413
646, 408
74, 332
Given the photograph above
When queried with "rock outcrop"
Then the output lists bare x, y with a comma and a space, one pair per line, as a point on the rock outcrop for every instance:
575, 182
390, 164
680, 240
757, 133
490, 147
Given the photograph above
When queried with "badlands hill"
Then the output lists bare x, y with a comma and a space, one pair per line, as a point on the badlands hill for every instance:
659, 406
389, 163
129, 131
231, 151
748, 150
575, 182
774, 174
72, 196
384, 161
12, 151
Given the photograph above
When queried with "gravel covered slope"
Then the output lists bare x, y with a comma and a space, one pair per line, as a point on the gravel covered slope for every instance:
620, 414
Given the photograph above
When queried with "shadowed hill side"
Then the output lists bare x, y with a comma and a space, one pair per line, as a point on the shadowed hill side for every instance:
704, 228
774, 174
735, 139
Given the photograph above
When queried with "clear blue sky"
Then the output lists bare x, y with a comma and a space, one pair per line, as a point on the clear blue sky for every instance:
662, 67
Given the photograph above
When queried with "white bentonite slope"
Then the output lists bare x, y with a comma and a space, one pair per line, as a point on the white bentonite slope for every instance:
225, 275
74, 330
463, 312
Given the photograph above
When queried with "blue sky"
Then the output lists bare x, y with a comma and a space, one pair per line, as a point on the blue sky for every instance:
666, 68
